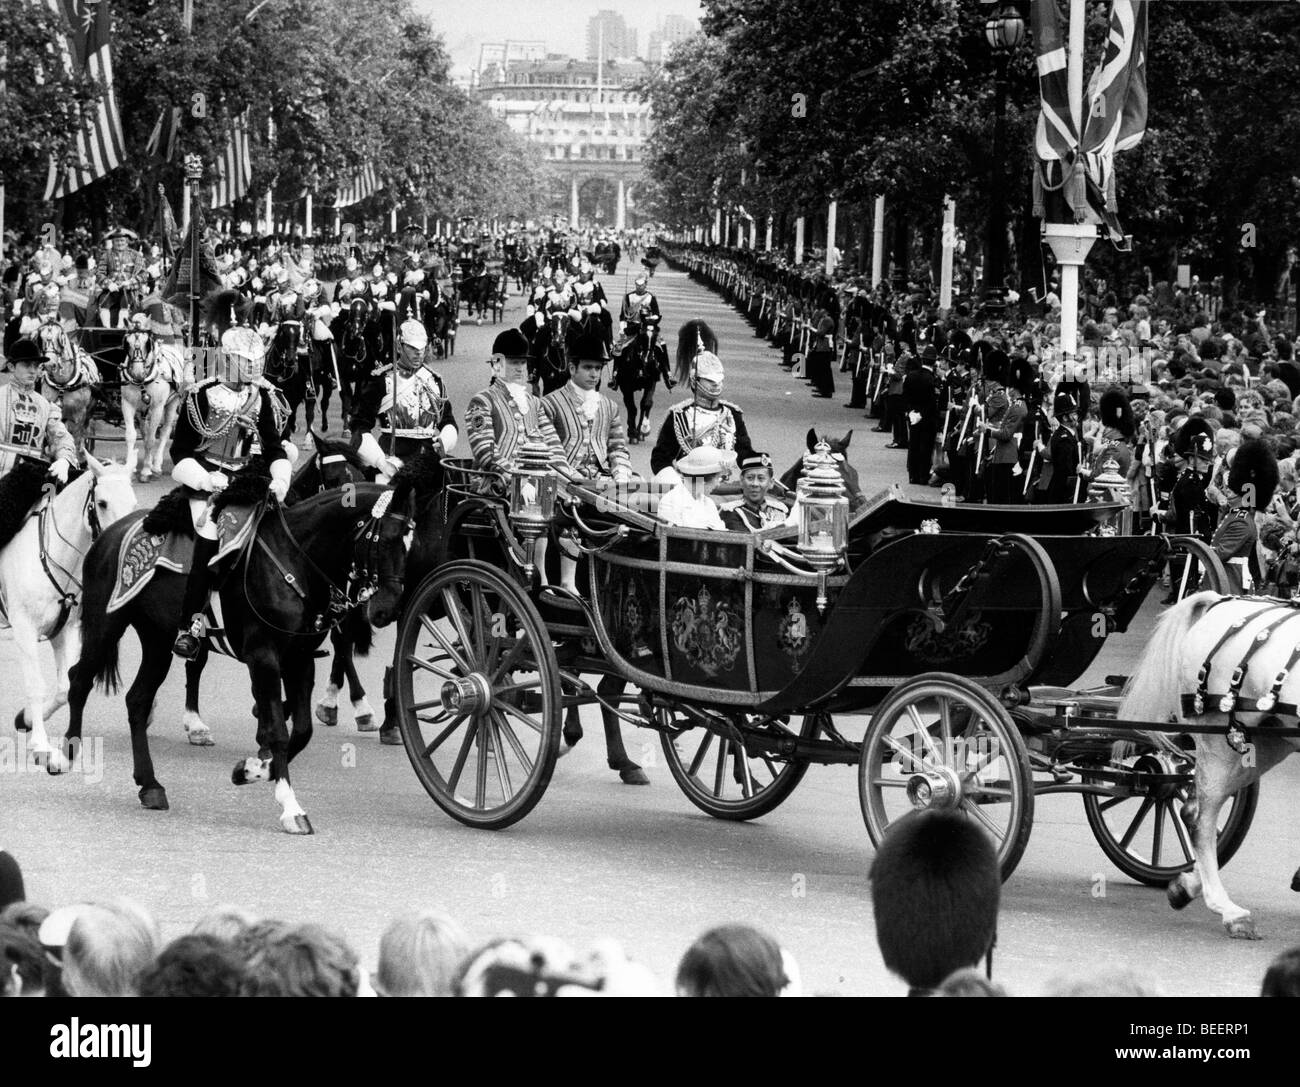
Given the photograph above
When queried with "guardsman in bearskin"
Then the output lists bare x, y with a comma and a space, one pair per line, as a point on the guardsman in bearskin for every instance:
704, 420
118, 272
756, 509
503, 416
410, 405
1191, 512
30, 425
1060, 480
1252, 481
218, 424
1118, 427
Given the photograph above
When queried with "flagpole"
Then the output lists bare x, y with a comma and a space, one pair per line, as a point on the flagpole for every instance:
193, 177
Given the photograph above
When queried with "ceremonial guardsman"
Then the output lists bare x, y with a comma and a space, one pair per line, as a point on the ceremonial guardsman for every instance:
1059, 481
756, 509
30, 425
587, 423
351, 270
704, 420
409, 402
590, 298
638, 304
117, 275
285, 303
505, 414
218, 424
1252, 481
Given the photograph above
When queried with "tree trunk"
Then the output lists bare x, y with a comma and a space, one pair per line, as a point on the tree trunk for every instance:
902, 250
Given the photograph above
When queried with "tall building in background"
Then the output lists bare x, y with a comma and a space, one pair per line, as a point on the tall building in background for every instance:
671, 31
499, 54
619, 38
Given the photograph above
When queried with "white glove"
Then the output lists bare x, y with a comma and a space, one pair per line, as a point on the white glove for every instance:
914, 417
257, 283
218, 481
59, 470
279, 488
281, 473
594, 308
389, 306
389, 467
540, 319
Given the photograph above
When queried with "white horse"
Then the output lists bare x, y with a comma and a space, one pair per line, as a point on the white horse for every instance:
153, 375
40, 589
1212, 654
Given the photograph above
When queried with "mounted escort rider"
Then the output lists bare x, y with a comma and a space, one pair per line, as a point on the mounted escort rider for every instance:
592, 302
219, 421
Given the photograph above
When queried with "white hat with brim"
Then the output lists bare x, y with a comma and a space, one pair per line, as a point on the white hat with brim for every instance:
702, 461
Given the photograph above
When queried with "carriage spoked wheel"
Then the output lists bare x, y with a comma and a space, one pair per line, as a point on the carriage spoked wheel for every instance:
478, 695
1144, 835
940, 741
721, 776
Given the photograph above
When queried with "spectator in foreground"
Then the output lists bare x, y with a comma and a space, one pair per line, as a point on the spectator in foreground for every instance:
194, 966
736, 960
420, 955
11, 880
935, 890
1283, 976
1106, 983
108, 949
226, 923
969, 982
22, 962
297, 960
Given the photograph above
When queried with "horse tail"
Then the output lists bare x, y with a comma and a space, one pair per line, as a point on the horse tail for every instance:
1154, 691
99, 647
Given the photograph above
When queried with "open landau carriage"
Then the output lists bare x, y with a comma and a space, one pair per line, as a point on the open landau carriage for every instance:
913, 641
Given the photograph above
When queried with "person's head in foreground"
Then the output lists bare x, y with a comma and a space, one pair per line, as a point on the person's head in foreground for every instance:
935, 889
736, 960
1120, 982
194, 966
297, 960
541, 966
1283, 977
420, 955
22, 962
108, 949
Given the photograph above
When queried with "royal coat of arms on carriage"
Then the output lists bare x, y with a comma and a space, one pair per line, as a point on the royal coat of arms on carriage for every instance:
707, 631
792, 635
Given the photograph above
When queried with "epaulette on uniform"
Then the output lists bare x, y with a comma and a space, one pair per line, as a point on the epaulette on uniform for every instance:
729, 404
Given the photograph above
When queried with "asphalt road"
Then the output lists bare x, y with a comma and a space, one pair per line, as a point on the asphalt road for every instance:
598, 858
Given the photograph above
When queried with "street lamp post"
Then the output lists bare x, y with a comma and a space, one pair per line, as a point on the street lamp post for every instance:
1004, 30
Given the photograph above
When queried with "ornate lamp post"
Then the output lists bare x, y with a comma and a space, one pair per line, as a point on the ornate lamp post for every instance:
1004, 30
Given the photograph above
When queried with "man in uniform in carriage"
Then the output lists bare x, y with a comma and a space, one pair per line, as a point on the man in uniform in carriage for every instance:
408, 403
756, 509
119, 271
220, 422
704, 420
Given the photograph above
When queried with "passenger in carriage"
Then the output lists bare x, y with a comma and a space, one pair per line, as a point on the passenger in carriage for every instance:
688, 504
757, 509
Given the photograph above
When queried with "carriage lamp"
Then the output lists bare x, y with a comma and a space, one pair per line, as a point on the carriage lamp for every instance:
533, 486
1109, 486
823, 511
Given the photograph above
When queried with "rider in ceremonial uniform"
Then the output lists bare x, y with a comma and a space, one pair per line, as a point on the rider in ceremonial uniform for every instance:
757, 509
410, 404
591, 301
218, 423
1252, 480
117, 274
31, 425
704, 420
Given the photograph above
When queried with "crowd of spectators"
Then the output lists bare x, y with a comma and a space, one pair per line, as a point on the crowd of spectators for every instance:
935, 891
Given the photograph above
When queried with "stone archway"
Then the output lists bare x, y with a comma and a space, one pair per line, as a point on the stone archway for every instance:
598, 201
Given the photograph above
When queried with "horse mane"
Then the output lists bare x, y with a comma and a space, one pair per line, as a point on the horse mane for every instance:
688, 346
421, 476
337, 447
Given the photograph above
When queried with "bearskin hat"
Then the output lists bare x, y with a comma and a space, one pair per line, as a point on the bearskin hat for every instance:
1254, 465
958, 341
997, 365
1117, 413
689, 338
1194, 436
1021, 375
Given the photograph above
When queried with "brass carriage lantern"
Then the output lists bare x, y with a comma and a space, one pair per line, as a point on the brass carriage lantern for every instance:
533, 486
823, 516
1109, 486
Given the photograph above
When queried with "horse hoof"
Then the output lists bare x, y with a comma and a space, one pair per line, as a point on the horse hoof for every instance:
327, 715
1177, 894
1295, 881
1243, 928
296, 824
390, 737
251, 770
199, 735
366, 723
54, 762
20, 722
634, 775
154, 798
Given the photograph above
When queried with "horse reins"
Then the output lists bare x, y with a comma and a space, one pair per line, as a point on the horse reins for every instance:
68, 597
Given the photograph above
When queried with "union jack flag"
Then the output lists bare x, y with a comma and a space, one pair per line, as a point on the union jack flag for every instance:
88, 47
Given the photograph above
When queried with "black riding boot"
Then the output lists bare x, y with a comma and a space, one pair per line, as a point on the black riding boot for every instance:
197, 588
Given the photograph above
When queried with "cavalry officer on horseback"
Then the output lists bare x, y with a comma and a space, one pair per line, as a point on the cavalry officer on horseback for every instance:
30, 425
118, 273
638, 316
219, 422
592, 302
410, 404
704, 420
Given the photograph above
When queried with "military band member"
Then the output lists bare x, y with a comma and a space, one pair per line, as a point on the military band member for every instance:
756, 509
29, 423
410, 405
218, 424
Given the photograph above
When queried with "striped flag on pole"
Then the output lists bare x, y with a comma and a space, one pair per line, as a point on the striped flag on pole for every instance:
365, 182
88, 46
235, 166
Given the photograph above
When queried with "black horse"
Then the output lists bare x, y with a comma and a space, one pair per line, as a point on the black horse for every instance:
637, 369
360, 345
550, 357
279, 597
288, 371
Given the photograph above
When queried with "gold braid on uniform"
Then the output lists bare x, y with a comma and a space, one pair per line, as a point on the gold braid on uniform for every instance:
686, 437
208, 433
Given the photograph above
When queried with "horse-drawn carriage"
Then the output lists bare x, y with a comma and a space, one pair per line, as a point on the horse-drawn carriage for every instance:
948, 637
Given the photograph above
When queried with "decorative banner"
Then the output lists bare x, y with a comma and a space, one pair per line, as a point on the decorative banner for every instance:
88, 47
235, 167
364, 183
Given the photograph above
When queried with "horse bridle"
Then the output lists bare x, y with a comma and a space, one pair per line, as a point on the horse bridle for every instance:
66, 354
136, 355
68, 597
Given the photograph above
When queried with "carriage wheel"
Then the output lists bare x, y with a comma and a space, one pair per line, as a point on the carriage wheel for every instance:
478, 695
1144, 835
940, 741
1213, 574
720, 776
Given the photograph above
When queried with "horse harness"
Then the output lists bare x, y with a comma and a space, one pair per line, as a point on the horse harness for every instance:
69, 597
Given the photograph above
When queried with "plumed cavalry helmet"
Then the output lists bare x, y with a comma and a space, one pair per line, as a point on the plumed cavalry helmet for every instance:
412, 340
242, 356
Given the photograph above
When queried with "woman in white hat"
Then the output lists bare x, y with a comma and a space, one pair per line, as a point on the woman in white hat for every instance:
688, 504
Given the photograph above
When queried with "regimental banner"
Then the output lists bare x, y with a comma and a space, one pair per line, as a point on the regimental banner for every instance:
87, 47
